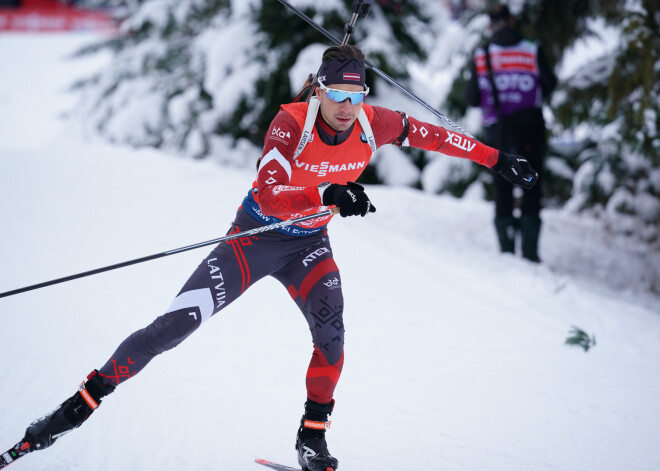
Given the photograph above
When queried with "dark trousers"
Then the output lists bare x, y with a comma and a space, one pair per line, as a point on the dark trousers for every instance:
521, 134
305, 267
531, 199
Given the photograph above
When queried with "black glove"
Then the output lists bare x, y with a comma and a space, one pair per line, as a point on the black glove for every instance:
350, 199
516, 169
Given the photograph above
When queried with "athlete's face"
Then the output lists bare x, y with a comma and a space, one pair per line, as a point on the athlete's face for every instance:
340, 116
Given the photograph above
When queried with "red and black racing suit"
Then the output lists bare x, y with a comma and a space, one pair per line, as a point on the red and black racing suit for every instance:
299, 257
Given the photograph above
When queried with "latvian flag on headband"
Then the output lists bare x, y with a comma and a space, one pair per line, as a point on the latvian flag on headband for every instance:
351, 76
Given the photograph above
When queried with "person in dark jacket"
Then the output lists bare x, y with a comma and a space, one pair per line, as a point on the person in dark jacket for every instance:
513, 120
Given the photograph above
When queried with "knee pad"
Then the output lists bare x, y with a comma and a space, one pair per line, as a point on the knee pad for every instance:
185, 315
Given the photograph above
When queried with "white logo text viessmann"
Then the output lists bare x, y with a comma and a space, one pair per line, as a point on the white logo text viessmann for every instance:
324, 168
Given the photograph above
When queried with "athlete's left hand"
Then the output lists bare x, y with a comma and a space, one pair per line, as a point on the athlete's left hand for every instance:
350, 199
516, 169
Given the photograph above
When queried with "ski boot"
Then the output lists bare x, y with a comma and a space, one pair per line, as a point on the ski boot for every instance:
43, 432
313, 454
530, 228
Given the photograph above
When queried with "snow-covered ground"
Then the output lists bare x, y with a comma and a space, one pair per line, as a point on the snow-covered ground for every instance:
455, 355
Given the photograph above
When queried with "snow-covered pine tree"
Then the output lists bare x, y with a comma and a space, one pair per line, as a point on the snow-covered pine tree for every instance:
155, 90
615, 99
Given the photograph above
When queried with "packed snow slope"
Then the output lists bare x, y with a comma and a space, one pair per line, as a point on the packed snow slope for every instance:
455, 354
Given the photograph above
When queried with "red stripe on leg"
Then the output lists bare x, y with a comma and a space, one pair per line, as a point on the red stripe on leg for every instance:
319, 271
322, 377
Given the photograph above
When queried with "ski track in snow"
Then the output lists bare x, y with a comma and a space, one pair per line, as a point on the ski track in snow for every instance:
455, 355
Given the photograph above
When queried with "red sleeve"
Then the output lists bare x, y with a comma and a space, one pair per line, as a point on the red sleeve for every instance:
276, 197
388, 127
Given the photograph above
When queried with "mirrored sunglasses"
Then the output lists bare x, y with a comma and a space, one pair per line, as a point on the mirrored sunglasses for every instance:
340, 96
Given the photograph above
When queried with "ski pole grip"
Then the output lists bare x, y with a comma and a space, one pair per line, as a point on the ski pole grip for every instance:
362, 7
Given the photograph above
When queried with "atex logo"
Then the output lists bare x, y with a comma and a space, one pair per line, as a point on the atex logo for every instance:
314, 255
460, 141
334, 283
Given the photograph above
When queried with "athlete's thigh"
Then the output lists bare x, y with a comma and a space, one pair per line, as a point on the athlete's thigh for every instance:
227, 272
314, 283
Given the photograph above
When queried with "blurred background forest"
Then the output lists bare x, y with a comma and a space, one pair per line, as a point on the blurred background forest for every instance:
202, 77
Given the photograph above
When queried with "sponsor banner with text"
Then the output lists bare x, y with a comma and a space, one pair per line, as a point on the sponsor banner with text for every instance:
57, 18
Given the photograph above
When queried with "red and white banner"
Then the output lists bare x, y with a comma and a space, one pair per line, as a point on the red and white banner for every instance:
48, 16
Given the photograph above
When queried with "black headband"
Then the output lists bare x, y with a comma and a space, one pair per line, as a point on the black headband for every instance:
345, 71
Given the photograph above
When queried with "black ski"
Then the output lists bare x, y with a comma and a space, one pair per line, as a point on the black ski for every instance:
22, 448
276, 466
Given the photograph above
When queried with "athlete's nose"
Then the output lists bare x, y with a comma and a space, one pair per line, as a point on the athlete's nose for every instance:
345, 106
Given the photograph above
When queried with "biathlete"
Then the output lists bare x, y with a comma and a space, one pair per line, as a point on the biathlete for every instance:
313, 154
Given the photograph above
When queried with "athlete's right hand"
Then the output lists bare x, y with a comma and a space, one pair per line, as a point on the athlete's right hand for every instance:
350, 199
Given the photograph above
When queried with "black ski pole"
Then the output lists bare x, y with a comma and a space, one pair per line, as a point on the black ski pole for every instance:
236, 235
360, 9
386, 77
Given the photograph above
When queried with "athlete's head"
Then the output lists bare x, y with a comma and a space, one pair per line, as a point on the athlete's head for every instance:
342, 87
500, 17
